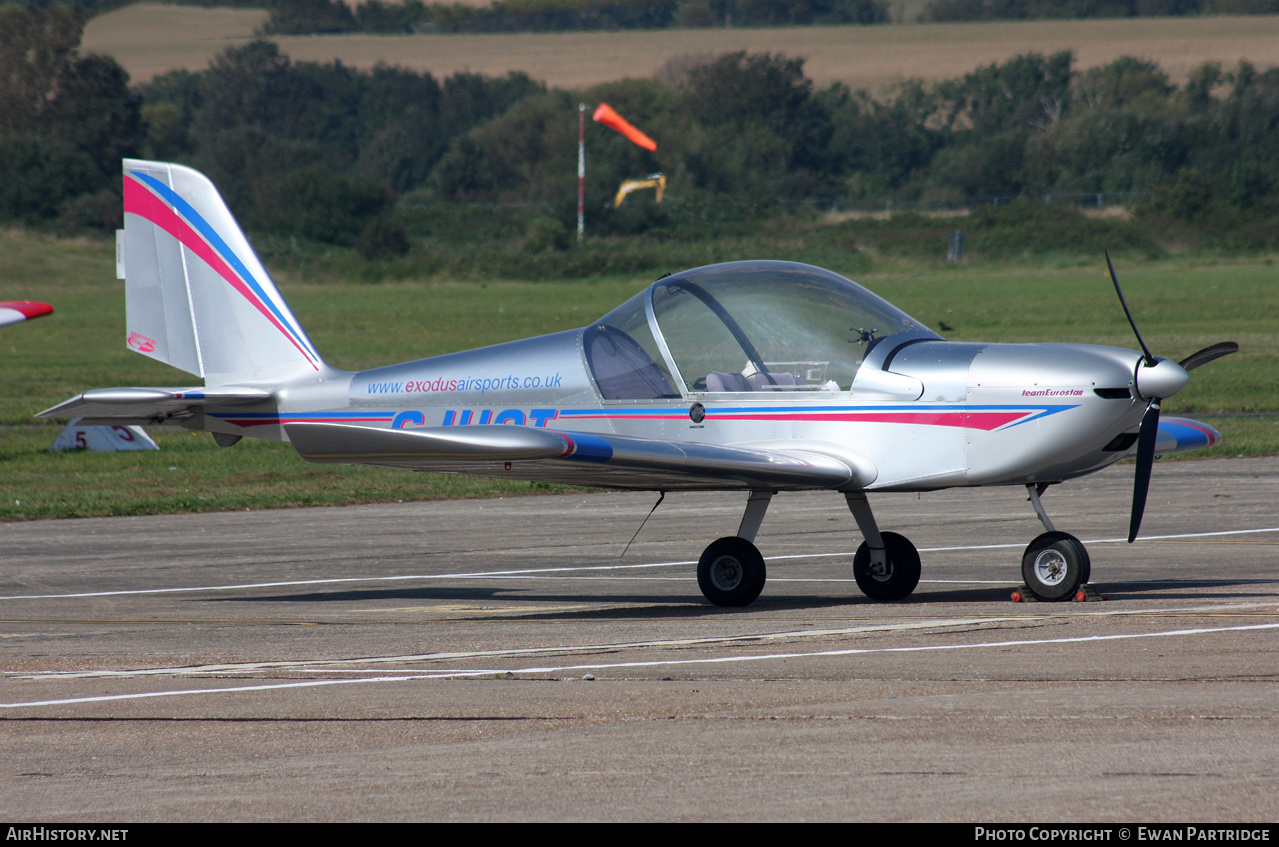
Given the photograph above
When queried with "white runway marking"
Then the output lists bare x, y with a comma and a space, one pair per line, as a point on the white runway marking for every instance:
532, 572
646, 664
327, 665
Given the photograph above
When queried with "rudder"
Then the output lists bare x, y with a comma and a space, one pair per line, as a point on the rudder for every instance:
197, 296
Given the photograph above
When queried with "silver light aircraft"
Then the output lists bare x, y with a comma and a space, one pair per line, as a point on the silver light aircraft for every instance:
754, 376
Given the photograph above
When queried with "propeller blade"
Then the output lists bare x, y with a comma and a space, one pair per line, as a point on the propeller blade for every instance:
1209, 354
1146, 437
1150, 360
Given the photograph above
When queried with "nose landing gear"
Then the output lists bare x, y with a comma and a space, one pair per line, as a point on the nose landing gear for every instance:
1055, 564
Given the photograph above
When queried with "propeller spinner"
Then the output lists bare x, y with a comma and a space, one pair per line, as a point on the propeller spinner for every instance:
1155, 380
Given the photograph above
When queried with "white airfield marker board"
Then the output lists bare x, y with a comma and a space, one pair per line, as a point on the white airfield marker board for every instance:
107, 439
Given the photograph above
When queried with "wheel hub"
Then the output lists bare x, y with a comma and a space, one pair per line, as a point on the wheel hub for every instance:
726, 573
1050, 567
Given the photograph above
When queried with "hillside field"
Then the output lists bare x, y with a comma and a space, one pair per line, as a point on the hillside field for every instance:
149, 39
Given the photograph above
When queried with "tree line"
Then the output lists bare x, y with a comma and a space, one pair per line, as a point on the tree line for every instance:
326, 16
754, 128
325, 152
313, 150
292, 17
65, 122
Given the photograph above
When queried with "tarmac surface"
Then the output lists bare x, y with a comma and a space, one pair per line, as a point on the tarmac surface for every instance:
500, 660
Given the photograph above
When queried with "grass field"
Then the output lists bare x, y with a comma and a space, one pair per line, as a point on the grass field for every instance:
1181, 304
148, 39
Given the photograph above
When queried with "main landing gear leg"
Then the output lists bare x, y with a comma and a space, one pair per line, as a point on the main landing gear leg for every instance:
886, 566
731, 571
1055, 564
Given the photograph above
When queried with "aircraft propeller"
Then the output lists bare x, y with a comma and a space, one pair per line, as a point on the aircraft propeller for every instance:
1156, 379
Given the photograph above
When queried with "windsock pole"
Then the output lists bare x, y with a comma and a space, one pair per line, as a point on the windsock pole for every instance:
581, 170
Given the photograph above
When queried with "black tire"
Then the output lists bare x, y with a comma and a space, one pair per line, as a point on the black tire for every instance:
1054, 565
903, 569
731, 572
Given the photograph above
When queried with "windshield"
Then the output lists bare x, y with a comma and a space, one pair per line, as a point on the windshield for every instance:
752, 326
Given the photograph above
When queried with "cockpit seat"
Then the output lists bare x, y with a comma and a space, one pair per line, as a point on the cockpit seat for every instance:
772, 382
720, 381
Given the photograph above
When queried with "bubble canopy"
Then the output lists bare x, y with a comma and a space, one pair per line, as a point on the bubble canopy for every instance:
740, 327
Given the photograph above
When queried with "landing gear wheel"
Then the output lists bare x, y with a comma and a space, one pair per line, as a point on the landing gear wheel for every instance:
1054, 565
731, 572
900, 576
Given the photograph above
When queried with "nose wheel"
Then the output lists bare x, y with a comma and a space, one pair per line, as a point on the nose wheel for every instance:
1054, 565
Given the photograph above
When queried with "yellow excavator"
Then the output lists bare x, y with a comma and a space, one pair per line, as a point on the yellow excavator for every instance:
657, 181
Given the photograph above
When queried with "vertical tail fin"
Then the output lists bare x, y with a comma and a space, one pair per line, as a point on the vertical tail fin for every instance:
197, 296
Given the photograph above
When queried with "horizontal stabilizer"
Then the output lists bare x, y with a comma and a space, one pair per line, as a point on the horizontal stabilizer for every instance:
579, 458
1178, 435
143, 406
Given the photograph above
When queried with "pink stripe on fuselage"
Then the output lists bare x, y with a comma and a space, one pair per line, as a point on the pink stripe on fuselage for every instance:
966, 420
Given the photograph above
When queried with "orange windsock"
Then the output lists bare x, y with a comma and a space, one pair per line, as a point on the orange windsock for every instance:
605, 115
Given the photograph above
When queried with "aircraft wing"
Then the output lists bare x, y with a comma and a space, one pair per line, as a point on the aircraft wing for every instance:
1177, 435
148, 406
580, 458
16, 311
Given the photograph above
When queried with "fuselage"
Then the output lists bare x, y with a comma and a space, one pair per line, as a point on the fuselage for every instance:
763, 354
928, 413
